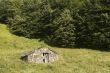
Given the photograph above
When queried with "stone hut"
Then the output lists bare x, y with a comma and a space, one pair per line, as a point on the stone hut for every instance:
41, 55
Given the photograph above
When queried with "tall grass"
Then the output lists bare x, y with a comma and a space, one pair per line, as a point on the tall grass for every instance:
70, 60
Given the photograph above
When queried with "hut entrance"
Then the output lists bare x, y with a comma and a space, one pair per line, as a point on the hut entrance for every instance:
46, 57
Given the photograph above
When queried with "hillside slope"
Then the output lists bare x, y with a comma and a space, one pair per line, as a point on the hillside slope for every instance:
70, 61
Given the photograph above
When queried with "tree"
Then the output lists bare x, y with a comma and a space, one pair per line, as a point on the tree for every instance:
94, 26
64, 35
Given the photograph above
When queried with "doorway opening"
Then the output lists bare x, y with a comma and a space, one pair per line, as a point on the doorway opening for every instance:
45, 57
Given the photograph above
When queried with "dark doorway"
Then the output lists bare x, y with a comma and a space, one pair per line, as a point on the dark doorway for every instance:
45, 57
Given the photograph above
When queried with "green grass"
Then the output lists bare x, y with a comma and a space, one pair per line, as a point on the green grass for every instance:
70, 61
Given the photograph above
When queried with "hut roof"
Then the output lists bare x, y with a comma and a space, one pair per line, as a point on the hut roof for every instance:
44, 50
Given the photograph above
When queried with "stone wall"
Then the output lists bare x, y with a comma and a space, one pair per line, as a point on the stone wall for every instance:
42, 56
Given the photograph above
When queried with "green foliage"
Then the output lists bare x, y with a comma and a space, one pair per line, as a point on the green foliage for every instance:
30, 21
64, 35
8, 9
93, 29
64, 23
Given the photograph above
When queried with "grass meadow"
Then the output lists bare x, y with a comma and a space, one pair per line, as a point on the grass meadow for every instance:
74, 60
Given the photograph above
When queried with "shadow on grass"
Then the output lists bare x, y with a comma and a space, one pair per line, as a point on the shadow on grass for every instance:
98, 48
44, 39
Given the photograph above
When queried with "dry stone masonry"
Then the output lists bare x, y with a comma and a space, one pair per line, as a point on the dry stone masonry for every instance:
41, 55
